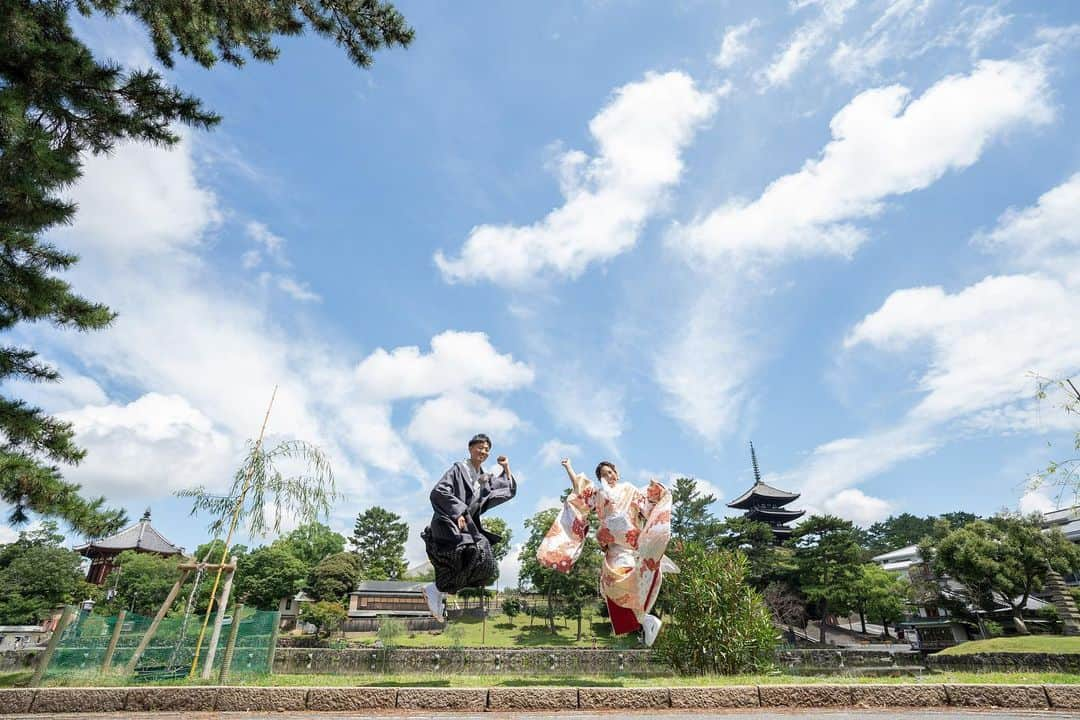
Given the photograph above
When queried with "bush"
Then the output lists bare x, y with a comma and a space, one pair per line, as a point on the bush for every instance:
389, 632
718, 623
993, 629
455, 632
325, 615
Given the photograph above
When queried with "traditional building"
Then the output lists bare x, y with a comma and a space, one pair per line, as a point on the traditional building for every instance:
140, 537
764, 503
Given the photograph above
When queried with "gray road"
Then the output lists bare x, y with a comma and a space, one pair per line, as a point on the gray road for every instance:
944, 714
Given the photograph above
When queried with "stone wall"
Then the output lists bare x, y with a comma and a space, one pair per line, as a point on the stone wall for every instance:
22, 659
559, 661
83, 701
1007, 662
469, 661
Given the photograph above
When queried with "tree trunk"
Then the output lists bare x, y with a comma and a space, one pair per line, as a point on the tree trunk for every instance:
824, 615
1018, 621
885, 627
579, 625
862, 620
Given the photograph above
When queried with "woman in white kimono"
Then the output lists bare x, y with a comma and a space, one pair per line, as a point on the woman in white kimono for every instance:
635, 528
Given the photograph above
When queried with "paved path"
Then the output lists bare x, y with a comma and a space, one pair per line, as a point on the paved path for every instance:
943, 714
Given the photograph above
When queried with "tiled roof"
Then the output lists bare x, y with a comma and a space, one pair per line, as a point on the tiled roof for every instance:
140, 536
762, 490
389, 586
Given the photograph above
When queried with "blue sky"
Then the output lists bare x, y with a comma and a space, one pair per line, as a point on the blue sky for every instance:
613, 230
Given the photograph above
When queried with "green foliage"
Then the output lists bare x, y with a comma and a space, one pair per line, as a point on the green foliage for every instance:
311, 542
260, 491
141, 583
498, 526
993, 629
1003, 559
880, 595
576, 589
827, 557
58, 104
455, 633
718, 623
691, 520
899, 531
390, 631
335, 577
768, 561
266, 575
511, 608
378, 540
324, 615
1063, 473
36, 574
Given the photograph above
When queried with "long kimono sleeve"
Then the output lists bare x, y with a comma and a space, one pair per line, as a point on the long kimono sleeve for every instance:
652, 542
562, 545
443, 499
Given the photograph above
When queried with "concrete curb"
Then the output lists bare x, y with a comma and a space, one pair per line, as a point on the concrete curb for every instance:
81, 701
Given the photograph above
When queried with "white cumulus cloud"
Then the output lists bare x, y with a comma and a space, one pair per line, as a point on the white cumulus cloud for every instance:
640, 137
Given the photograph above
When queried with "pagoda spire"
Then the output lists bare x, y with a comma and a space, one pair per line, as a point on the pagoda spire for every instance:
753, 459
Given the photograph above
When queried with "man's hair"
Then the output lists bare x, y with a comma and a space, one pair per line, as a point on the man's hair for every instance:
602, 464
480, 438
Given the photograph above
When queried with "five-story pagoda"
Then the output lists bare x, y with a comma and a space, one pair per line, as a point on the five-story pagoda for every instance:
764, 503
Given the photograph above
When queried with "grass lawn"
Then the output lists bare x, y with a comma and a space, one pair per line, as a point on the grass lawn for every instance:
595, 631
444, 680
1019, 644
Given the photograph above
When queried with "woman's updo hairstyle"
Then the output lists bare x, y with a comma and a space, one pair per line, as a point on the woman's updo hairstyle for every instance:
603, 464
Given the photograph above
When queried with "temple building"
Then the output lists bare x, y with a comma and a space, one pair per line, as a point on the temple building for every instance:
764, 503
140, 537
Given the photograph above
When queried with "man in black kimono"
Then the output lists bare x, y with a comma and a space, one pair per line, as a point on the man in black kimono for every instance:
456, 542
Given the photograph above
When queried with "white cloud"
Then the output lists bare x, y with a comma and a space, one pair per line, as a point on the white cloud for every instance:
984, 340
8, 534
1045, 236
807, 39
547, 502
445, 423
297, 290
553, 452
1036, 501
703, 370
587, 405
457, 361
149, 447
267, 242
733, 46
888, 37
884, 144
640, 135
854, 505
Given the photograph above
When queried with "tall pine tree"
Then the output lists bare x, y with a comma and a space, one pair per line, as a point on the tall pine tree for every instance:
691, 520
379, 539
57, 104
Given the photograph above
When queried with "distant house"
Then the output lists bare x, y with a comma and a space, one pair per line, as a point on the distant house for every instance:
927, 627
388, 598
289, 609
140, 537
17, 637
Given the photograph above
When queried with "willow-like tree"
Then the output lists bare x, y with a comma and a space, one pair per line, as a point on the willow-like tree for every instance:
58, 104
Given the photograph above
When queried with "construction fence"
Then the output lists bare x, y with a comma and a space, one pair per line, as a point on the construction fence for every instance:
94, 645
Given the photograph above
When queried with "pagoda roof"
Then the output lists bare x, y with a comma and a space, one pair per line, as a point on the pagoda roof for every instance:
774, 514
141, 536
761, 492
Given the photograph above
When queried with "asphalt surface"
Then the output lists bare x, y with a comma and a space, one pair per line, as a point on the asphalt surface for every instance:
943, 714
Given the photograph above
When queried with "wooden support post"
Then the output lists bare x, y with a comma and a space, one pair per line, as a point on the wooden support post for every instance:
223, 604
130, 667
273, 642
54, 640
106, 664
230, 646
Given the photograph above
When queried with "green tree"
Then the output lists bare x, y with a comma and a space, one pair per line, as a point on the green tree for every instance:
335, 576
378, 539
1003, 559
325, 615
879, 595
311, 542
37, 573
768, 561
498, 526
511, 607
691, 520
267, 574
828, 557
717, 623
140, 583
897, 531
58, 103
574, 589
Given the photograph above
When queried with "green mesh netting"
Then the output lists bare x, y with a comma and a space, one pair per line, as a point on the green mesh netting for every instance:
84, 643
